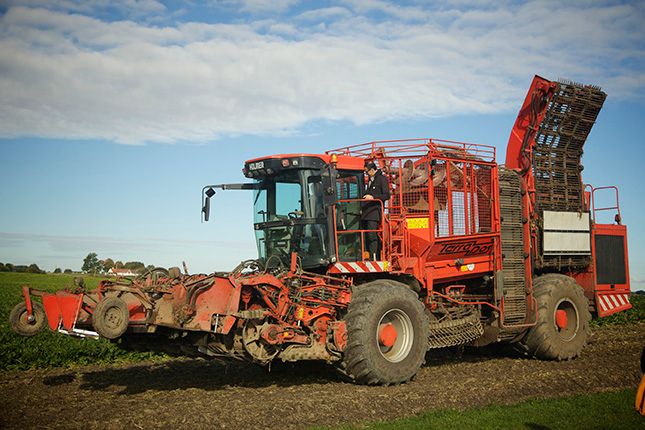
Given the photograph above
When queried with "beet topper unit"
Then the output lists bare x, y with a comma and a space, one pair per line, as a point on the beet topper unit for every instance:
469, 253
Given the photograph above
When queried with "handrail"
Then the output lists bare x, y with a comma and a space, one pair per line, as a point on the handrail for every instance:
362, 232
594, 209
418, 147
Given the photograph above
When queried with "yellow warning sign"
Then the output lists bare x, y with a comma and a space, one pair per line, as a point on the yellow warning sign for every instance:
418, 223
467, 267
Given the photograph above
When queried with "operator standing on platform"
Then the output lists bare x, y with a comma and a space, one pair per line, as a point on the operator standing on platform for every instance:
377, 188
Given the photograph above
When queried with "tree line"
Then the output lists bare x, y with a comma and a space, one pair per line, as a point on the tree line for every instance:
92, 264
32, 268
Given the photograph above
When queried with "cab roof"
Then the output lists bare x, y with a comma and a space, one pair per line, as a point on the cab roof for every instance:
343, 162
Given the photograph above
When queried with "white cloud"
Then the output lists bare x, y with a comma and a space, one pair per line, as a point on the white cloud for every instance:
262, 6
411, 13
324, 14
131, 7
73, 76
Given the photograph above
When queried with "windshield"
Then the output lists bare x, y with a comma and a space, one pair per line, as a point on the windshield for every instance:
289, 217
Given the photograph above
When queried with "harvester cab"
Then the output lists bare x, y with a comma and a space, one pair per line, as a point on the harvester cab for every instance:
294, 203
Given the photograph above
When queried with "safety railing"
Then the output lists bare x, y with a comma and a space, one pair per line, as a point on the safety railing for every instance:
347, 248
594, 209
418, 147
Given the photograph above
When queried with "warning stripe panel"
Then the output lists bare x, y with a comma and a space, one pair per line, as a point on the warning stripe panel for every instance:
607, 304
359, 267
356, 268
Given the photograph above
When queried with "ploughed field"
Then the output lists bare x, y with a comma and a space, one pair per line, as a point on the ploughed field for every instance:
185, 393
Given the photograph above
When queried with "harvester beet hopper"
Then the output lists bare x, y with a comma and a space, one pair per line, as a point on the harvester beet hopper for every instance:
470, 253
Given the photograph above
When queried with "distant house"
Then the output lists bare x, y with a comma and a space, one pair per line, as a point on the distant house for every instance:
121, 272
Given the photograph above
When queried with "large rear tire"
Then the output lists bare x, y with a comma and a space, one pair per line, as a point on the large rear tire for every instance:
22, 324
387, 334
111, 317
562, 329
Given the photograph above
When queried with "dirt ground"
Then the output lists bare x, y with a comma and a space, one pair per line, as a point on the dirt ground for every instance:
198, 393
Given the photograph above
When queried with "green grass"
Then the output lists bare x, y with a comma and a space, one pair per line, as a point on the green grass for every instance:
610, 410
48, 349
633, 315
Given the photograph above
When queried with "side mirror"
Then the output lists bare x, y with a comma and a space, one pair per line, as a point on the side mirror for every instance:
206, 207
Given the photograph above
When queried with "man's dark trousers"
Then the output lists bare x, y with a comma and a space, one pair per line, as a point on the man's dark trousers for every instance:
372, 242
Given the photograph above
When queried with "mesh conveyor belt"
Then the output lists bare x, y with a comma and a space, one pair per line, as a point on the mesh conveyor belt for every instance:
557, 156
558, 146
513, 264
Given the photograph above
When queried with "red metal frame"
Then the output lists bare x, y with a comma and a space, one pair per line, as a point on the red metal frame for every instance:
588, 279
27, 297
432, 259
419, 147
519, 157
520, 142
381, 231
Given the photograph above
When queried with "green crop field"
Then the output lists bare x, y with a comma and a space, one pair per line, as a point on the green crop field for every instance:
48, 349
634, 315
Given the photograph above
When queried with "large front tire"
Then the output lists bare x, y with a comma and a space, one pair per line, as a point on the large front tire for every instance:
387, 334
562, 329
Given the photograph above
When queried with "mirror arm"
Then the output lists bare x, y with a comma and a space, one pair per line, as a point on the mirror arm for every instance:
209, 191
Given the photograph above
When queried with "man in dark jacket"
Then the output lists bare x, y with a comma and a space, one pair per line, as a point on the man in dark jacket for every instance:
377, 188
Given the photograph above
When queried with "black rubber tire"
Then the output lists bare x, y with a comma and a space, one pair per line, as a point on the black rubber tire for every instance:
363, 360
415, 288
111, 317
19, 322
545, 340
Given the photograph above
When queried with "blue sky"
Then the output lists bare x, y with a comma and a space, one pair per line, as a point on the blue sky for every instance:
114, 114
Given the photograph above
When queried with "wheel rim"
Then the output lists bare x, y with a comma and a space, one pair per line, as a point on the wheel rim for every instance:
255, 346
395, 335
24, 319
113, 317
566, 319
26, 323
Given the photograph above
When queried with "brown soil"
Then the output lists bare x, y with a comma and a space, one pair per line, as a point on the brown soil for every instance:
197, 394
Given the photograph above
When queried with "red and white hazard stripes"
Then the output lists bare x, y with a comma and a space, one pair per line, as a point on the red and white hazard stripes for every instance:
360, 267
607, 304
